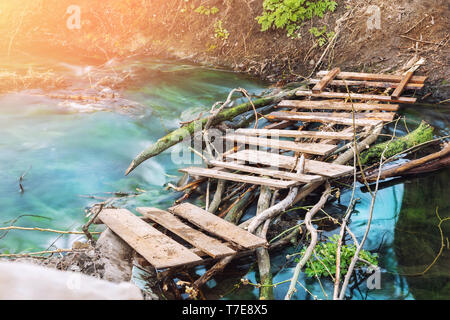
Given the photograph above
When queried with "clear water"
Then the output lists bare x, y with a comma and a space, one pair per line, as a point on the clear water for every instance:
69, 155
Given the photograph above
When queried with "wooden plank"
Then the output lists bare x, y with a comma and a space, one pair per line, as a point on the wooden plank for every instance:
296, 134
326, 80
211, 173
336, 105
266, 172
309, 148
285, 115
217, 226
369, 84
198, 239
372, 77
157, 248
401, 87
355, 96
383, 116
288, 162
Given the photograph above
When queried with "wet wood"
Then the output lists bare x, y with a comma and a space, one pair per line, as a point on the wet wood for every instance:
309, 148
373, 77
336, 105
217, 226
369, 84
279, 125
211, 246
322, 84
212, 173
266, 172
286, 115
288, 162
355, 96
401, 87
157, 248
296, 134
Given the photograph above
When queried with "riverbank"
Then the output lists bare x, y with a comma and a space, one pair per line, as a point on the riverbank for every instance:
356, 36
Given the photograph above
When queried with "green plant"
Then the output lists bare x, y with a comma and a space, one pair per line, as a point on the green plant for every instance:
324, 260
289, 14
207, 11
219, 31
322, 36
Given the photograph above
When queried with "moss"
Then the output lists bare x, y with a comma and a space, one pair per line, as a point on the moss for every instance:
422, 134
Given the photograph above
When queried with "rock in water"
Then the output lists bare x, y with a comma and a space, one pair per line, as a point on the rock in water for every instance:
116, 256
29, 282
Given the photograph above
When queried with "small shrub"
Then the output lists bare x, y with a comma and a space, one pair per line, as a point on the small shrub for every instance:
322, 36
220, 32
289, 14
207, 11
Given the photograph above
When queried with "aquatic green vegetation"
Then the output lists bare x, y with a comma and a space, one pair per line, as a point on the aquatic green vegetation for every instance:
323, 261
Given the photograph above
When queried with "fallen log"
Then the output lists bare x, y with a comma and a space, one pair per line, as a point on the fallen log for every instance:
422, 134
180, 134
433, 161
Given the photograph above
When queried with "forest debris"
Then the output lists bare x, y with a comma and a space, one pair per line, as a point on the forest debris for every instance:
312, 245
262, 254
280, 206
402, 169
215, 203
235, 211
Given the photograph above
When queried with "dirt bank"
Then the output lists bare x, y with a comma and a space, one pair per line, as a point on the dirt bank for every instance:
370, 36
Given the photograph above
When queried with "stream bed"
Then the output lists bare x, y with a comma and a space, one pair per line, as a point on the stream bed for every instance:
72, 159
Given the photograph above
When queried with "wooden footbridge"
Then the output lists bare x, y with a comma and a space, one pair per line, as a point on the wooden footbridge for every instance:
267, 157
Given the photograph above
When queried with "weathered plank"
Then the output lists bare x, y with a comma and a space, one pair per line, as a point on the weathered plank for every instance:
383, 116
355, 96
211, 173
157, 248
198, 239
266, 172
286, 115
326, 80
336, 105
217, 226
296, 134
369, 84
372, 77
401, 87
288, 162
310, 148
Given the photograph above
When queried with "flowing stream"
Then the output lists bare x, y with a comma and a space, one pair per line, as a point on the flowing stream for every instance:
71, 159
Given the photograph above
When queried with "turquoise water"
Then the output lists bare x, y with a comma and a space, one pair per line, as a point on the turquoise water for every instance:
68, 156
